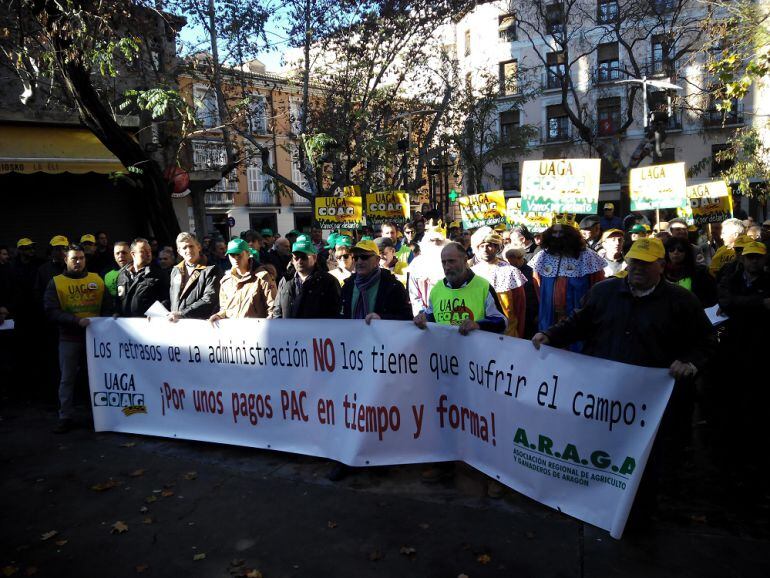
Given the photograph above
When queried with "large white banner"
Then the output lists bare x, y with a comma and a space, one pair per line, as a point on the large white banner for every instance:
570, 431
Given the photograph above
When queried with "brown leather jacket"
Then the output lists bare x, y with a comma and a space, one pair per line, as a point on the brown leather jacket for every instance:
249, 295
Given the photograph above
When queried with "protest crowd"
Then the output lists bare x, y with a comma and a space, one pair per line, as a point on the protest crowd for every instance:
603, 286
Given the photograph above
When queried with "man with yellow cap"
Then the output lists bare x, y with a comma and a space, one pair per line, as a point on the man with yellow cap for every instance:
730, 231
642, 319
54, 266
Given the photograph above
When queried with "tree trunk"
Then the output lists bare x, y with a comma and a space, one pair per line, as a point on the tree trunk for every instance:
153, 187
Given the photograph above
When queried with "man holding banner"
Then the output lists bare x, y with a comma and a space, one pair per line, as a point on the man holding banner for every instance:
643, 320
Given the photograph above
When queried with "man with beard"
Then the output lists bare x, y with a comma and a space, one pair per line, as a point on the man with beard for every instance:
563, 271
425, 269
507, 281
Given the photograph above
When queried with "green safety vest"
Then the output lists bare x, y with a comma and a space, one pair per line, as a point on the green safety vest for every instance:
453, 306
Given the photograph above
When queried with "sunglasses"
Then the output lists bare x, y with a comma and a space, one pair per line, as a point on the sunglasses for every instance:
364, 257
344, 256
676, 249
299, 256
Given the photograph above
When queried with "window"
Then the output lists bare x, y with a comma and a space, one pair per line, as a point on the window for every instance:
719, 166
295, 116
467, 43
509, 72
662, 53
662, 6
510, 177
606, 11
557, 125
718, 118
608, 174
509, 123
668, 156
297, 176
205, 102
556, 70
608, 59
608, 115
212, 156
506, 28
257, 115
258, 183
554, 18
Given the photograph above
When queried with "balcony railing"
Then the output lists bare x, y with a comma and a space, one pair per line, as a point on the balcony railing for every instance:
262, 198
299, 200
218, 199
675, 121
660, 67
552, 81
610, 72
556, 133
718, 118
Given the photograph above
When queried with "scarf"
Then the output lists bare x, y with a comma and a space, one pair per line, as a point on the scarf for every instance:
364, 284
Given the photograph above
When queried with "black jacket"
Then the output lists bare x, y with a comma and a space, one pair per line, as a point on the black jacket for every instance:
392, 301
199, 298
319, 298
744, 305
136, 294
652, 331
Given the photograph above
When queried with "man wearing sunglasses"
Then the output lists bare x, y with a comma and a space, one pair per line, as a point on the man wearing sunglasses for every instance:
310, 293
373, 292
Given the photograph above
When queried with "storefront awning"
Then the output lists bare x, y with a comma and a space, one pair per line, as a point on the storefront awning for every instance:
34, 149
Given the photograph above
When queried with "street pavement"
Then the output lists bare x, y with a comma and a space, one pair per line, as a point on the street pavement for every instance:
110, 505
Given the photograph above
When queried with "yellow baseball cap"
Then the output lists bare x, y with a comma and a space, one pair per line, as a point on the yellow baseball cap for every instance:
88, 238
59, 241
648, 249
366, 246
609, 232
24, 242
609, 206
742, 241
754, 248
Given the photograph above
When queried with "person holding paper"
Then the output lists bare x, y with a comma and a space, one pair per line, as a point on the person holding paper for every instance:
140, 283
70, 301
194, 292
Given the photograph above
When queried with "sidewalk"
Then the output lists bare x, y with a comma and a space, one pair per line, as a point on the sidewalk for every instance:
197, 509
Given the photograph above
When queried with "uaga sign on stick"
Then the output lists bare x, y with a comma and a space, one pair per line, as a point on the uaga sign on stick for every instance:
560, 186
658, 187
570, 431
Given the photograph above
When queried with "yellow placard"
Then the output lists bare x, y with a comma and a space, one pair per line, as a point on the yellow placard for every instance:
482, 209
709, 202
560, 185
658, 187
534, 222
387, 206
338, 212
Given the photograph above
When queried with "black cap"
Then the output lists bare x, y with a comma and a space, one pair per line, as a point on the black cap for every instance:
589, 221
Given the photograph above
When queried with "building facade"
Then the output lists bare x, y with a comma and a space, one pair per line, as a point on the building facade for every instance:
590, 45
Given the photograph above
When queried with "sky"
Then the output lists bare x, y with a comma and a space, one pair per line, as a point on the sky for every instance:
191, 35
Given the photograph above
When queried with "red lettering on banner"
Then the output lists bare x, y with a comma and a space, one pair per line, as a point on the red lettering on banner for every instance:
465, 419
294, 404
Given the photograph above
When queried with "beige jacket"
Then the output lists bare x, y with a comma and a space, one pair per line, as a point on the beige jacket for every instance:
250, 295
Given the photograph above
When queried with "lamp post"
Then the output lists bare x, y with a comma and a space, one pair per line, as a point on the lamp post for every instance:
656, 121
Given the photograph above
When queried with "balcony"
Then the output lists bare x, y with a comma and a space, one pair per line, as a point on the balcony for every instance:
218, 199
675, 121
262, 198
552, 81
660, 67
607, 72
557, 130
299, 200
713, 118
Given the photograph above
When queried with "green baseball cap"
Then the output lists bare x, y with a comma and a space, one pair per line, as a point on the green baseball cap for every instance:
303, 244
344, 241
266, 232
237, 246
331, 242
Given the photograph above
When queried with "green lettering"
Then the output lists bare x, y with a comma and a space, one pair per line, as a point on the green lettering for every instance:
520, 437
